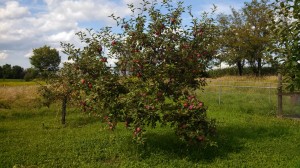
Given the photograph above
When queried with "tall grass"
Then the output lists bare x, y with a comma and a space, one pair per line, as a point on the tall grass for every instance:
248, 136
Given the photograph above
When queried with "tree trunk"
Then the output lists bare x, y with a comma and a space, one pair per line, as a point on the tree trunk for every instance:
240, 68
64, 110
259, 67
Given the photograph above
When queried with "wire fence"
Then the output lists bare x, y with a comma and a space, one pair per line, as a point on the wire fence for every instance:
249, 97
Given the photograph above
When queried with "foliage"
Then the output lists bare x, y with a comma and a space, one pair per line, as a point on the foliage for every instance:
245, 36
9, 72
6, 71
30, 74
45, 59
286, 28
17, 72
160, 63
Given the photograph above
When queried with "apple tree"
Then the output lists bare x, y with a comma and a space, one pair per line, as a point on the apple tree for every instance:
286, 29
161, 61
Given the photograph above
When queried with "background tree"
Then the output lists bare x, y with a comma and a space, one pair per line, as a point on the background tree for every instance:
245, 36
45, 59
286, 29
30, 74
7, 71
259, 36
1, 72
17, 72
232, 42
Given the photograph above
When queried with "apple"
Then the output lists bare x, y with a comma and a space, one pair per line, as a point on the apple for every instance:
125, 26
90, 85
138, 129
113, 43
103, 59
139, 75
82, 81
200, 104
173, 20
201, 138
191, 107
185, 104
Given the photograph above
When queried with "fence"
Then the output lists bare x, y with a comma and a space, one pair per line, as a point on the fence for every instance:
250, 96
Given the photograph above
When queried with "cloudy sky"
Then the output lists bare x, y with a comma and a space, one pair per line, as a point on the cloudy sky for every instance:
29, 24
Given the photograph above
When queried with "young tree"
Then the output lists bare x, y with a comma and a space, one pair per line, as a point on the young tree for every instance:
161, 62
58, 89
45, 59
286, 27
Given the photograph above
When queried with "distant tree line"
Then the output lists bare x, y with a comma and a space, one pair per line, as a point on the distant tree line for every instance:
44, 60
8, 71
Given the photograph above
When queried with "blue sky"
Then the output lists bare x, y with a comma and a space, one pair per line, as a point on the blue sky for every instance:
29, 24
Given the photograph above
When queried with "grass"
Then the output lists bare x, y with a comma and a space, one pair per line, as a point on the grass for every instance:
16, 82
249, 135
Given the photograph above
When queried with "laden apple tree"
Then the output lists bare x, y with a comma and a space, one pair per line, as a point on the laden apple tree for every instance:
160, 64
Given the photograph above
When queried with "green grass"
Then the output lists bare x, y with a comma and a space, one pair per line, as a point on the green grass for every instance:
249, 135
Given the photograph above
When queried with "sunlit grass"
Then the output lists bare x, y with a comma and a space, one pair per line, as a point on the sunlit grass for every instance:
249, 135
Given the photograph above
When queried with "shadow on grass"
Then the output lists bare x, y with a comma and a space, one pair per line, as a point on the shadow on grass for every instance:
231, 139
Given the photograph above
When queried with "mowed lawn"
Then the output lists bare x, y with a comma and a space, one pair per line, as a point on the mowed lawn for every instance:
249, 135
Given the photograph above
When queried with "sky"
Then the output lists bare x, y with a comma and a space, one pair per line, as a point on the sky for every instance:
29, 24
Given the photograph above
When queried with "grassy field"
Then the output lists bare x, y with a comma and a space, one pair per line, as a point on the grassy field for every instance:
16, 82
249, 135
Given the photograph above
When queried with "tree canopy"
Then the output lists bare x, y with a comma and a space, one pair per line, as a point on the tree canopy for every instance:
245, 36
286, 29
45, 59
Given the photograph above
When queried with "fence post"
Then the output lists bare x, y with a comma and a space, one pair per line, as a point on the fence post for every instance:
220, 92
279, 110
270, 93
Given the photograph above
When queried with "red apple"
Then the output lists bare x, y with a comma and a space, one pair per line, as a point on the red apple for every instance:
82, 81
90, 85
113, 43
185, 104
103, 59
200, 104
138, 129
173, 20
201, 138
125, 26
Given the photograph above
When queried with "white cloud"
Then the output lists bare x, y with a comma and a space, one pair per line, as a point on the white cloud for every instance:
3, 55
29, 54
62, 36
12, 10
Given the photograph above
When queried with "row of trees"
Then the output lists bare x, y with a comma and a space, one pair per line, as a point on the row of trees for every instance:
43, 60
245, 35
17, 72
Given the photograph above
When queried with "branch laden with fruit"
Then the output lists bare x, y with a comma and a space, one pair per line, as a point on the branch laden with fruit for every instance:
161, 62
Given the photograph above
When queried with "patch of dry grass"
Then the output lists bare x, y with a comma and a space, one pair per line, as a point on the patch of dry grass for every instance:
18, 95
